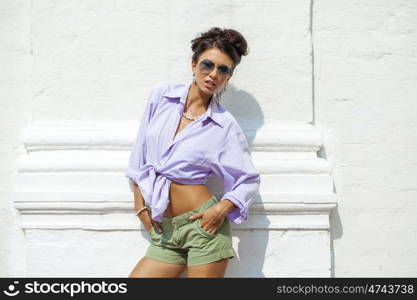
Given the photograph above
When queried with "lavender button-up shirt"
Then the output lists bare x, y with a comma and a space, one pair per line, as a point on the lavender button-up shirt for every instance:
213, 143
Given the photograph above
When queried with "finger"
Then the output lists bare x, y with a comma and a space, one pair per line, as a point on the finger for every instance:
209, 230
207, 224
213, 230
196, 216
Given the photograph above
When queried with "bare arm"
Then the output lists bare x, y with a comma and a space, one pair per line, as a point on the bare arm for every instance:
226, 206
139, 201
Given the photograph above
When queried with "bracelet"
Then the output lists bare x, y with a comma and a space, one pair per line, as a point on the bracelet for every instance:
142, 209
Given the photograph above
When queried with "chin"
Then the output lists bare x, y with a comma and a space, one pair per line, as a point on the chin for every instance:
210, 92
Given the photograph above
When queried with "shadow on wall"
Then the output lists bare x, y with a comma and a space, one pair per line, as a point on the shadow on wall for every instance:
336, 228
252, 246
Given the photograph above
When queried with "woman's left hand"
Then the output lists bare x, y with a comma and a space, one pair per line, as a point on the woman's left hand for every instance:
212, 218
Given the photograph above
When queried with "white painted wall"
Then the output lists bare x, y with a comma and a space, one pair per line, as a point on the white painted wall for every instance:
366, 95
349, 67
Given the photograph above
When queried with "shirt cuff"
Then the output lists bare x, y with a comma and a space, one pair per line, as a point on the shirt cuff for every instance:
240, 213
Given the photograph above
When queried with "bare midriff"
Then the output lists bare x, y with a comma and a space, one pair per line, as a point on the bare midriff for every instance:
185, 197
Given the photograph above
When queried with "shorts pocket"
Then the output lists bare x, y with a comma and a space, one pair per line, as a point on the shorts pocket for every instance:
153, 235
203, 231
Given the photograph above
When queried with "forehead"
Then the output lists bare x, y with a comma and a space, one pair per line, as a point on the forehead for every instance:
217, 56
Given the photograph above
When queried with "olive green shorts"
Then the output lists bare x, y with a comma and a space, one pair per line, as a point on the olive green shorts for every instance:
184, 241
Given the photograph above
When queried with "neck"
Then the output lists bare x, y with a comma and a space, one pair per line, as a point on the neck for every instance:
196, 99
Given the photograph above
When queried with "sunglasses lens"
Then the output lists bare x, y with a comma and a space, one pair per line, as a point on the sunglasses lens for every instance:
224, 70
206, 66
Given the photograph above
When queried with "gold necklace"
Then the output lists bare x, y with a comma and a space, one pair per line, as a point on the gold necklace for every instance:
188, 116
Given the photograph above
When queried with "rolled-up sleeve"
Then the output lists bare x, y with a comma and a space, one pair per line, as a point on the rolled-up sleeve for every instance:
137, 156
233, 163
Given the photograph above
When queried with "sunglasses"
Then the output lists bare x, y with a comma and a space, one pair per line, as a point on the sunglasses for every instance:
206, 66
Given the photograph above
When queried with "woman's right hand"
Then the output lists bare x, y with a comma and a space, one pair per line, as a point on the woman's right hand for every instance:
146, 219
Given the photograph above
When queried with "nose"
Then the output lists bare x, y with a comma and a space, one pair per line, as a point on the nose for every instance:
213, 73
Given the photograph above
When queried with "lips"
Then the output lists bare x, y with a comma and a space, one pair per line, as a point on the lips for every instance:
210, 83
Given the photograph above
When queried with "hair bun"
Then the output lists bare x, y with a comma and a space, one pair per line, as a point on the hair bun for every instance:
237, 40
228, 40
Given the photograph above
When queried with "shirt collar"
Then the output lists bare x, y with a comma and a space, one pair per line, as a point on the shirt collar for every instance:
179, 92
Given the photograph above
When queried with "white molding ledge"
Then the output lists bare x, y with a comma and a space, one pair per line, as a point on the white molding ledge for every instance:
72, 176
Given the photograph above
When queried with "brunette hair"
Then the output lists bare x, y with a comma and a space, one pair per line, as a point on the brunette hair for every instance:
229, 41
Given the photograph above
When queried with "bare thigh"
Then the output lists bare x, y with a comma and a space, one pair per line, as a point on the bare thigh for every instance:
147, 267
214, 269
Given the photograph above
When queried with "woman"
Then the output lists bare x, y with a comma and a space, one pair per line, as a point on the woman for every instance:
185, 135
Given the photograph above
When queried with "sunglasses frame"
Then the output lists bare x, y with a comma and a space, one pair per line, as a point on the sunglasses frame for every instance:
213, 65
